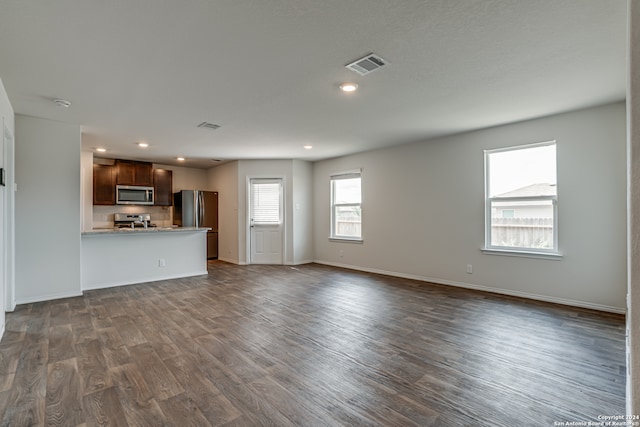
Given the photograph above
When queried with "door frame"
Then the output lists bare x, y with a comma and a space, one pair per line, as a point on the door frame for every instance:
8, 142
283, 180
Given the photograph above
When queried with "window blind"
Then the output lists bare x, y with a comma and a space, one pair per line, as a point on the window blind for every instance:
266, 203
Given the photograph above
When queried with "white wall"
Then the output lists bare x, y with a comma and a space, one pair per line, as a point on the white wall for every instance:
86, 191
633, 188
47, 209
302, 212
6, 206
224, 180
124, 258
423, 211
186, 178
230, 180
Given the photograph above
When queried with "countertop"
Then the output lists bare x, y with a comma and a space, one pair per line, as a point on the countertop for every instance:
137, 230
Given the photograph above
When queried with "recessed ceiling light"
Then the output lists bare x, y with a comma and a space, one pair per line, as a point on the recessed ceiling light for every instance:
143, 144
180, 159
308, 147
101, 150
62, 103
348, 87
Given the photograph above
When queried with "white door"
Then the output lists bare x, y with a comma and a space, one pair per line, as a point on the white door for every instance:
3, 224
266, 220
8, 238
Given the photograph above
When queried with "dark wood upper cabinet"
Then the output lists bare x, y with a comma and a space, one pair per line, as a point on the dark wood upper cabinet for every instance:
163, 187
134, 173
104, 184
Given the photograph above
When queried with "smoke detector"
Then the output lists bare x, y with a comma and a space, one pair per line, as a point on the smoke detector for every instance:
208, 125
367, 64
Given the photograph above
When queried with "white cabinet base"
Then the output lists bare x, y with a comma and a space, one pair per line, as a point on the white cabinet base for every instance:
116, 259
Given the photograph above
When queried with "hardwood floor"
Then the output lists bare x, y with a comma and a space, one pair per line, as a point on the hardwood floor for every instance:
306, 346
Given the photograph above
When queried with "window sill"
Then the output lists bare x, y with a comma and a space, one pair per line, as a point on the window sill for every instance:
556, 256
346, 239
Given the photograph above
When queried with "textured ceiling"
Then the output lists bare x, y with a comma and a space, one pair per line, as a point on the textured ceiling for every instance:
268, 71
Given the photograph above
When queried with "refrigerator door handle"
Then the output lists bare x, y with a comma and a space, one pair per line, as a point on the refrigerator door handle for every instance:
195, 209
202, 208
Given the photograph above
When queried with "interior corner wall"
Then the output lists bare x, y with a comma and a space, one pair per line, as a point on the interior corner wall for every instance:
423, 211
633, 189
224, 180
302, 212
48, 209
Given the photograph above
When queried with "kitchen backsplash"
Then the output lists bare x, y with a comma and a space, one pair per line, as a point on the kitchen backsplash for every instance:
161, 216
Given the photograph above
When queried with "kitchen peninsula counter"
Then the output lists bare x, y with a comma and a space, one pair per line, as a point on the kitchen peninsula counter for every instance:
145, 255
124, 231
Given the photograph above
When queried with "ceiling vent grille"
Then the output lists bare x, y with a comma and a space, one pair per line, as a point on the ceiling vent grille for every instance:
208, 125
366, 65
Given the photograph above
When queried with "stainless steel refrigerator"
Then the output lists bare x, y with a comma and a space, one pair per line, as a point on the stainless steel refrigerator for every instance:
195, 208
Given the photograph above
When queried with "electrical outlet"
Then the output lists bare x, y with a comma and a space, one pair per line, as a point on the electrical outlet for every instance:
162, 262
469, 268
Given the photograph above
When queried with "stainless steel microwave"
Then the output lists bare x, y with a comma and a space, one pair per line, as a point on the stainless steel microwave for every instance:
134, 195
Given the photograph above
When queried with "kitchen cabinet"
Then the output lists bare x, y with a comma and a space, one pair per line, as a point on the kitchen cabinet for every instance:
104, 184
134, 173
163, 187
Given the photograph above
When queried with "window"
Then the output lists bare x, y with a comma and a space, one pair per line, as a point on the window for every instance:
522, 199
346, 206
266, 202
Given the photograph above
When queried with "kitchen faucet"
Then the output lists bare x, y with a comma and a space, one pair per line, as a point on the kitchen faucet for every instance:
140, 220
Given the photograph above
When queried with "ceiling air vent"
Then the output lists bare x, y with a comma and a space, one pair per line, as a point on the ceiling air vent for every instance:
366, 65
208, 125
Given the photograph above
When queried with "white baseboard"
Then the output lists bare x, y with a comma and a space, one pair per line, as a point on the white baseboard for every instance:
50, 297
2, 329
304, 261
137, 282
236, 262
537, 297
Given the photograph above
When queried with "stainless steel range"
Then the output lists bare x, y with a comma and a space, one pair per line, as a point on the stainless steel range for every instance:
121, 220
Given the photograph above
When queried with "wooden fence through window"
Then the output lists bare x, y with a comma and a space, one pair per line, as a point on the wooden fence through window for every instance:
522, 232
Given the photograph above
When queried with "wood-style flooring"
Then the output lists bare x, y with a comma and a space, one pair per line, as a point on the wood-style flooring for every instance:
306, 346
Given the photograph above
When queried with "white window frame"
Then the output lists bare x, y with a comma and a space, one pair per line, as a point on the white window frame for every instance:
552, 253
332, 179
